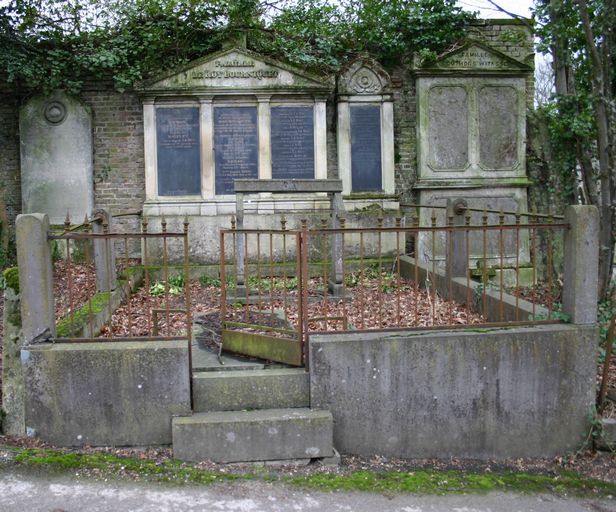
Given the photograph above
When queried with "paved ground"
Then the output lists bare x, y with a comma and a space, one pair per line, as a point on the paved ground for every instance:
31, 493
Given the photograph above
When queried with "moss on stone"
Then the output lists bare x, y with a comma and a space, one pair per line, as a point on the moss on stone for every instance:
11, 278
419, 481
71, 325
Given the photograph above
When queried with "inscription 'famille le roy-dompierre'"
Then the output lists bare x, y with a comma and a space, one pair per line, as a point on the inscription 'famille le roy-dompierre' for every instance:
226, 73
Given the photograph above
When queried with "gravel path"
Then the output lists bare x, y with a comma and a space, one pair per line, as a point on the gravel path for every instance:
20, 492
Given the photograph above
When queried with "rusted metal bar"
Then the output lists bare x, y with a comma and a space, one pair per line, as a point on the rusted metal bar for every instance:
223, 281
271, 276
550, 248
398, 277
501, 251
146, 270
380, 271
187, 296
481, 210
88, 282
433, 224
111, 236
517, 267
481, 227
340, 318
361, 278
128, 289
120, 339
163, 225
261, 327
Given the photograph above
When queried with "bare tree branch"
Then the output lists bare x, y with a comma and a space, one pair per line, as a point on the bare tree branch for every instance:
513, 15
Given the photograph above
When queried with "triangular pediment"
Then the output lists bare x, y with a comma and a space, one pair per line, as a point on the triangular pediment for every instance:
475, 56
235, 69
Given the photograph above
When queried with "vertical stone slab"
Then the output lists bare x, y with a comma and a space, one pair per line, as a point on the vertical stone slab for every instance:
581, 272
35, 276
56, 157
12, 375
456, 248
104, 254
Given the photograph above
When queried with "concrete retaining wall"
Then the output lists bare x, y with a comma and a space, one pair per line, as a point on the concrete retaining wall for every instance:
105, 393
460, 393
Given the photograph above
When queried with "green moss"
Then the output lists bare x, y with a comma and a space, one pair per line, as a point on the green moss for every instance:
171, 470
11, 278
421, 481
448, 482
68, 326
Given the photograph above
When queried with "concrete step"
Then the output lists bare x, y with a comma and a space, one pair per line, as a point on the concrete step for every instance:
256, 389
246, 436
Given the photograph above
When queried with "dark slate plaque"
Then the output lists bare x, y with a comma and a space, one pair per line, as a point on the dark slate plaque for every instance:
366, 148
292, 137
178, 151
236, 146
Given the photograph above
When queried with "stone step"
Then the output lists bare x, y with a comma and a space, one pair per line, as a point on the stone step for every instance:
280, 388
247, 436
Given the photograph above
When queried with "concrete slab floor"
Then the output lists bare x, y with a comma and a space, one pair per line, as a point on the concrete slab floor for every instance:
34, 493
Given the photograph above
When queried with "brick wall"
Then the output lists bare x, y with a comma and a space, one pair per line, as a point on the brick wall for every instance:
10, 186
117, 125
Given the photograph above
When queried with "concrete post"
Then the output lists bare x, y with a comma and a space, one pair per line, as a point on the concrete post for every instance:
337, 206
12, 375
35, 277
581, 269
456, 250
104, 254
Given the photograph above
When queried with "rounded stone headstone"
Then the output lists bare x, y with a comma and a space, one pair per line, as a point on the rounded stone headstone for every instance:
56, 157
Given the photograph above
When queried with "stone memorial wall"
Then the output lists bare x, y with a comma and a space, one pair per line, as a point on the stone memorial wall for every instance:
417, 132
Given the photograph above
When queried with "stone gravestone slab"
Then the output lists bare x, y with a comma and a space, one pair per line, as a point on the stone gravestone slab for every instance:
179, 160
56, 158
448, 127
498, 122
366, 148
236, 146
292, 139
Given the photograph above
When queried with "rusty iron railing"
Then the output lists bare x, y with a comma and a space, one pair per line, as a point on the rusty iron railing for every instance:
121, 286
399, 274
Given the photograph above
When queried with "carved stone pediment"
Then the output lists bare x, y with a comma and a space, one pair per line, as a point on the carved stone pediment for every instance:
234, 69
364, 76
473, 56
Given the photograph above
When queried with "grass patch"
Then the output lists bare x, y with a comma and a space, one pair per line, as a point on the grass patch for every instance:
417, 482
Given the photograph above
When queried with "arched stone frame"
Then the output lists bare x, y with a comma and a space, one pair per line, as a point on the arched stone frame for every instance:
365, 83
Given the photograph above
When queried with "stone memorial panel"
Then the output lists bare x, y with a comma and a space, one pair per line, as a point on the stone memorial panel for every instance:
292, 142
56, 157
178, 154
448, 128
236, 146
366, 148
498, 127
